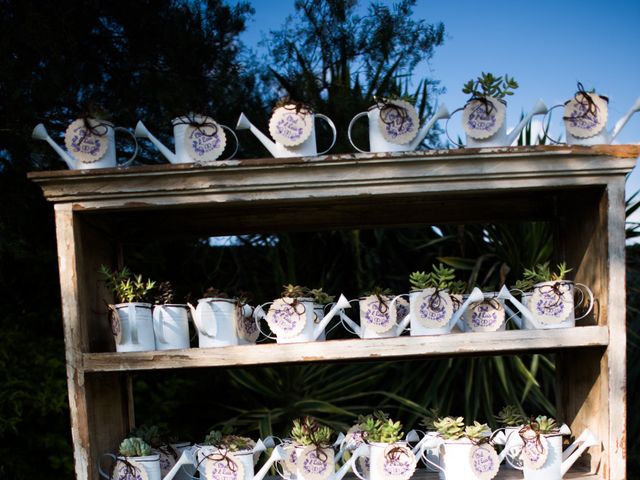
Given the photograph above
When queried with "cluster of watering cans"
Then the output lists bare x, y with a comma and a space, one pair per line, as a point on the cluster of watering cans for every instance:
394, 126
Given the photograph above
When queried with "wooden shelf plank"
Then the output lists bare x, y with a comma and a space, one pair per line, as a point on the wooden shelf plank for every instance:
353, 349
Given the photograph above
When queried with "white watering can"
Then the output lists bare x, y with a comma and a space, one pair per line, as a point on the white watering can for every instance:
293, 320
384, 464
189, 129
291, 147
461, 459
486, 315
557, 462
559, 315
582, 128
391, 137
87, 150
171, 326
490, 130
219, 324
426, 324
132, 327
433, 454
375, 322
150, 464
212, 464
295, 468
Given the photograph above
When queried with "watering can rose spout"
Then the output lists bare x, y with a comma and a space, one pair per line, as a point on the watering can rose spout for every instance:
339, 306
40, 133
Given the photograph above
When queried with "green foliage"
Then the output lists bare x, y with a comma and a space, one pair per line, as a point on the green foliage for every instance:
546, 425
151, 434
212, 292
450, 428
379, 428
477, 431
510, 416
541, 273
223, 439
294, 291
487, 85
163, 293
308, 431
320, 296
134, 447
429, 420
440, 278
127, 287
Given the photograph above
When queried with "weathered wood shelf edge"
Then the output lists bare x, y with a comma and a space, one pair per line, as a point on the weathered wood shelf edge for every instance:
503, 474
476, 343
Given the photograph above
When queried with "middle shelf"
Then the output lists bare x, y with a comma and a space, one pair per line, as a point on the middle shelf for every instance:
472, 343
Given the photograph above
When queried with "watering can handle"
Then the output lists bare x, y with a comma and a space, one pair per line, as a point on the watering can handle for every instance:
557, 142
158, 323
103, 474
446, 127
353, 120
257, 320
116, 314
354, 469
333, 130
237, 142
590, 295
135, 141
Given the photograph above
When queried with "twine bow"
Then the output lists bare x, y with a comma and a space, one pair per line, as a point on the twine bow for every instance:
295, 304
381, 303
132, 470
394, 454
555, 289
435, 300
488, 104
287, 103
201, 125
585, 99
386, 105
95, 127
526, 437
219, 456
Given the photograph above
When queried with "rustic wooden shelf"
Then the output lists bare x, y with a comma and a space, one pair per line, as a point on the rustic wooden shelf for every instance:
578, 190
476, 343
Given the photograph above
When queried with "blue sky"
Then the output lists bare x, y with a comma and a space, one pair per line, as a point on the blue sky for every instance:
546, 45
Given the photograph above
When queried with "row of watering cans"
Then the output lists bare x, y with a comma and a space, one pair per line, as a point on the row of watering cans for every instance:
223, 322
394, 126
540, 457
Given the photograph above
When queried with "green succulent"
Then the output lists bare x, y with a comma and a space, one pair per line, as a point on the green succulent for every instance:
379, 428
429, 420
450, 428
308, 431
164, 293
378, 291
223, 439
126, 286
487, 85
439, 277
541, 273
134, 447
151, 434
457, 287
546, 425
477, 431
510, 416
294, 291
213, 438
320, 296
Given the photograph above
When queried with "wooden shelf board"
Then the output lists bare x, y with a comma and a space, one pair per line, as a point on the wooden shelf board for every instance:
472, 343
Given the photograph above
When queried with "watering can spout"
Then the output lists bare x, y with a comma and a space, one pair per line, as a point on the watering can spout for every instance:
355, 328
40, 133
143, 132
623, 121
475, 296
505, 294
245, 124
440, 114
185, 459
340, 305
277, 455
584, 441
538, 109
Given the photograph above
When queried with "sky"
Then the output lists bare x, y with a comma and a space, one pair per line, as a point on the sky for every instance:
546, 45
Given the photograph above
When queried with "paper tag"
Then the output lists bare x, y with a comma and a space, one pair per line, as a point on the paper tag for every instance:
246, 326
167, 461
433, 310
485, 317
479, 124
229, 468
354, 438
290, 459
402, 308
552, 306
287, 317
377, 315
86, 146
582, 124
397, 463
534, 451
398, 121
132, 470
205, 143
290, 128
365, 466
457, 301
484, 462
116, 324
315, 464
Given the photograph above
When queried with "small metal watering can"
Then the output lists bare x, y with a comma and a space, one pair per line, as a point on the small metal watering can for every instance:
394, 126
293, 320
127, 467
484, 122
486, 315
132, 327
377, 318
461, 459
215, 464
90, 144
293, 129
222, 322
171, 326
551, 305
197, 138
387, 461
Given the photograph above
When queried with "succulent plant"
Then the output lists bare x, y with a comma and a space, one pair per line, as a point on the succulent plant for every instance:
164, 293
546, 425
212, 292
134, 447
151, 434
126, 286
379, 428
477, 431
294, 291
510, 416
378, 291
225, 440
308, 431
439, 277
429, 420
486, 85
320, 296
457, 287
450, 428
541, 273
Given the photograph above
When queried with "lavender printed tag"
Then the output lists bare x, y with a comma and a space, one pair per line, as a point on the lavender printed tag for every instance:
480, 124
376, 314
205, 143
552, 302
290, 128
582, 123
167, 461
229, 468
398, 121
402, 308
534, 451
315, 464
484, 462
246, 326
131, 470
397, 463
433, 309
487, 316
85, 145
287, 317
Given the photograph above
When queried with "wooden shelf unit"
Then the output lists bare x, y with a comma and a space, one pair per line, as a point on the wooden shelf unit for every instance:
580, 190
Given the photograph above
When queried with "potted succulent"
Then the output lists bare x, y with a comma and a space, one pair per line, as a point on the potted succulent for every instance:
170, 320
465, 451
168, 452
312, 457
378, 316
131, 320
135, 461
485, 315
246, 326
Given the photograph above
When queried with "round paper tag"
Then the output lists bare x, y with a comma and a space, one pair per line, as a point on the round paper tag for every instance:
315, 464
246, 326
485, 316
402, 308
534, 451
131, 470
85, 145
398, 463
286, 317
290, 128
364, 463
205, 143
229, 468
290, 459
398, 121
434, 309
457, 301
552, 304
354, 438
167, 461
480, 124
116, 324
377, 315
484, 462
582, 123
